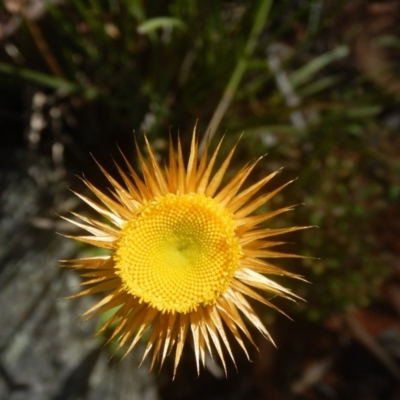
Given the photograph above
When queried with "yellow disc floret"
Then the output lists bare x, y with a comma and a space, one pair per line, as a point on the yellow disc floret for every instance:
178, 252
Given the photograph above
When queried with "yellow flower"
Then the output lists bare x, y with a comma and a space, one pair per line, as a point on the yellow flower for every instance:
186, 254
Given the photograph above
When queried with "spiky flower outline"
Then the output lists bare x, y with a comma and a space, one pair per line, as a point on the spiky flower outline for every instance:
167, 276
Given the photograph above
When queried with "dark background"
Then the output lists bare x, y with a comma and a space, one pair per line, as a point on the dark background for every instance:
315, 84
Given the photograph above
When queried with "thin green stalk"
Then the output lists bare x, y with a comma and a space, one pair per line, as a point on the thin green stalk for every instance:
47, 80
238, 72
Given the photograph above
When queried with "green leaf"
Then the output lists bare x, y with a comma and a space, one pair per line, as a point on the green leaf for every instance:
153, 24
306, 72
47, 80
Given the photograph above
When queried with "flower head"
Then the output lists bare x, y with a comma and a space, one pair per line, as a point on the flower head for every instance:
187, 253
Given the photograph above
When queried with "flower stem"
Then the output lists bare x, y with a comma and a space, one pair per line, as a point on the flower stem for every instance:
227, 97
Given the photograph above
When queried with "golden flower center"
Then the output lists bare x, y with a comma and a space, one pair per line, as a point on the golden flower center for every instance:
179, 252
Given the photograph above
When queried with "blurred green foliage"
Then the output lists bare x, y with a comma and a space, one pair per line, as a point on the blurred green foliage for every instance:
299, 95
